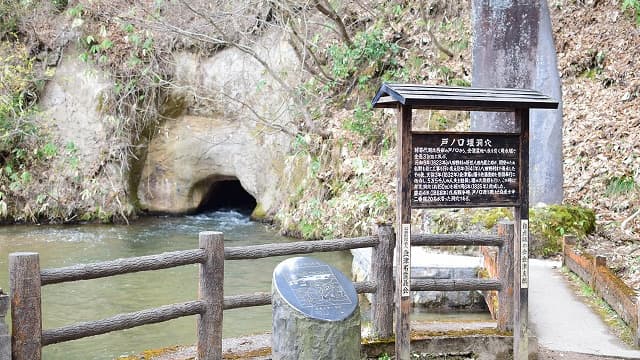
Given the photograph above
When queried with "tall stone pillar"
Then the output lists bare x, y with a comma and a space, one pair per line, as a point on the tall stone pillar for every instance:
513, 47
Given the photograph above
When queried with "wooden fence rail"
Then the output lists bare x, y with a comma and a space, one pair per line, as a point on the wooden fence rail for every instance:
122, 266
26, 280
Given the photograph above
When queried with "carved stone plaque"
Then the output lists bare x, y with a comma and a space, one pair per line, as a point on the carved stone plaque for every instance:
315, 288
465, 170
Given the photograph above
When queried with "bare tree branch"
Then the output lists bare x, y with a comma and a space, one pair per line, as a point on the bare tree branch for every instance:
433, 37
309, 123
326, 9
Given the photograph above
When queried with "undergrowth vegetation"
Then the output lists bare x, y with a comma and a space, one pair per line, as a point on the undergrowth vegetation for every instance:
351, 183
23, 145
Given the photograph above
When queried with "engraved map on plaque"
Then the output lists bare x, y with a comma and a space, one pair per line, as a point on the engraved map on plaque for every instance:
464, 169
315, 288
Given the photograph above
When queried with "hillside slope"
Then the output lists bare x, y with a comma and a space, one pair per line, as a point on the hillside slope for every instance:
598, 49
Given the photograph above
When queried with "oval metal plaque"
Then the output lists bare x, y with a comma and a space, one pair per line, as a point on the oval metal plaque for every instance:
315, 288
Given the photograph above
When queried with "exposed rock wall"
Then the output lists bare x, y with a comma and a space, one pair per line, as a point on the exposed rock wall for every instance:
231, 120
86, 176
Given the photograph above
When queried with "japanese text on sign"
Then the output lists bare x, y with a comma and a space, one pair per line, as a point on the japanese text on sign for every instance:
406, 260
464, 169
524, 254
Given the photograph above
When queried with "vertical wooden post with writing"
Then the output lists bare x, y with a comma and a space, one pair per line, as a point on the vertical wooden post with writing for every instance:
211, 293
505, 274
26, 308
521, 245
382, 271
403, 221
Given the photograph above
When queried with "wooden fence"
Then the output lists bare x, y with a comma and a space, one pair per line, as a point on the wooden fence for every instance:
26, 280
605, 283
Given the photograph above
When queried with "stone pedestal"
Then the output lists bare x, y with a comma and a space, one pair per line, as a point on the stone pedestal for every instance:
315, 312
5, 337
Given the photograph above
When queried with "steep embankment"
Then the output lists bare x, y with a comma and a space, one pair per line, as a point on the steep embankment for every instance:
598, 49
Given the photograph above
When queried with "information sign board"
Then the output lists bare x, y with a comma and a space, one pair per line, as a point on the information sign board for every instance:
464, 169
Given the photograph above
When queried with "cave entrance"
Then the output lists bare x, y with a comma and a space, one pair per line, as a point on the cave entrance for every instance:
226, 195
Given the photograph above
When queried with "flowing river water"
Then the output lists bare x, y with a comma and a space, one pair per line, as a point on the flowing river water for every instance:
67, 303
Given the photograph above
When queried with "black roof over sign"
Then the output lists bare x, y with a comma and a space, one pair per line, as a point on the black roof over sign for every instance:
460, 98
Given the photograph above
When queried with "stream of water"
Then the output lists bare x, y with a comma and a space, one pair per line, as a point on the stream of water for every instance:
67, 303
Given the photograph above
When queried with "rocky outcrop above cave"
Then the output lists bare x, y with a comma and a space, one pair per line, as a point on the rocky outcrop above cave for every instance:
228, 119
190, 154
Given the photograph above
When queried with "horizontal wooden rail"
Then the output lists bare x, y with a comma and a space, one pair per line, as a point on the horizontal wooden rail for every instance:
121, 266
455, 284
296, 248
456, 240
363, 287
264, 298
247, 300
121, 322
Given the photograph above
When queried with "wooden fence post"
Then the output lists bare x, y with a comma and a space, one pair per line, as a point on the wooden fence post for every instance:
505, 267
26, 311
568, 241
211, 292
598, 261
637, 333
5, 338
382, 271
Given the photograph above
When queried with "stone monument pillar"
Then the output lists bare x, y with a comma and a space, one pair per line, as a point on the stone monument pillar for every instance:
315, 312
5, 337
513, 47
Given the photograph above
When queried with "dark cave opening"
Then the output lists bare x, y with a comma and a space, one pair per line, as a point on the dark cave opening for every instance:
227, 195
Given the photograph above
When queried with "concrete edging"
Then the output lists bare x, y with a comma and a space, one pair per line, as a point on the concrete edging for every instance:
605, 283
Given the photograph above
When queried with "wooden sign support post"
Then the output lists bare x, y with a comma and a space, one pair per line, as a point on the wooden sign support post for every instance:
461, 170
403, 245
521, 248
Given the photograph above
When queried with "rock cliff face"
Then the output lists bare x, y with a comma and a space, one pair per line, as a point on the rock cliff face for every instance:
225, 119
231, 121
88, 178
72, 101
190, 154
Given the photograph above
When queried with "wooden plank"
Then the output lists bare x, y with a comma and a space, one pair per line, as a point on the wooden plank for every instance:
480, 103
382, 274
521, 244
403, 217
121, 322
122, 266
505, 274
264, 298
496, 93
247, 300
5, 337
211, 292
456, 240
460, 98
26, 306
365, 287
296, 248
498, 90
478, 95
455, 284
